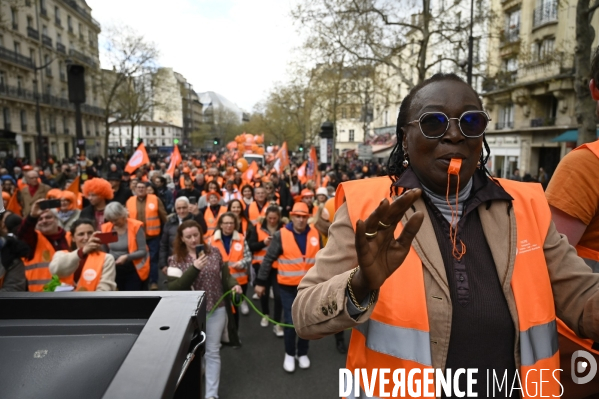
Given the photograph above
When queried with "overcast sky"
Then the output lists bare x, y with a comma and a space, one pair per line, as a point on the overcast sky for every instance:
237, 48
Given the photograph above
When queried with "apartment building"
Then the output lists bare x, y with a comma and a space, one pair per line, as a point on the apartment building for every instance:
48, 34
530, 89
192, 111
158, 137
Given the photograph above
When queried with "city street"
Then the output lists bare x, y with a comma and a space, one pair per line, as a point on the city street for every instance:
256, 369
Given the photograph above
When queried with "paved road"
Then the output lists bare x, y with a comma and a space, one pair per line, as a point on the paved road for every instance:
256, 369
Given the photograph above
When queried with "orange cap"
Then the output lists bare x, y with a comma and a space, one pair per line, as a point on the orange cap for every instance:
454, 166
306, 192
301, 209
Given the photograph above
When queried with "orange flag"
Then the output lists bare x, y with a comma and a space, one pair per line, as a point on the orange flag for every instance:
312, 166
301, 173
283, 156
249, 174
175, 161
139, 158
13, 205
74, 187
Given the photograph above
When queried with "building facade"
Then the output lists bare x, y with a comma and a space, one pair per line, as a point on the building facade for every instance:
529, 93
158, 137
49, 34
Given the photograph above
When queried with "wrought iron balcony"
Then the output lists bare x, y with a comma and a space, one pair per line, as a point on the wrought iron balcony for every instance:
82, 57
83, 12
61, 48
546, 12
540, 122
512, 35
32, 33
46, 40
58, 21
44, 12
16, 58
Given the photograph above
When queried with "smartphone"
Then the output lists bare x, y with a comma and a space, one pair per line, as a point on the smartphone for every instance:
199, 250
193, 200
49, 204
108, 238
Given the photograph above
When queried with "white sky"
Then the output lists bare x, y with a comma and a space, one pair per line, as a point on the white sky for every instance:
237, 48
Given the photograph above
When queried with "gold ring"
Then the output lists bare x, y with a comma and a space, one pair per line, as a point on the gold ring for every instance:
384, 225
371, 234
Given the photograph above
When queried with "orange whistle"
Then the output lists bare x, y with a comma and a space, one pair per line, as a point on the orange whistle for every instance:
454, 166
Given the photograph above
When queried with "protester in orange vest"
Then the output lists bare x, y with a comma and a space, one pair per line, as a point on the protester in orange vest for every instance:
67, 213
258, 207
245, 226
91, 268
259, 242
212, 212
294, 247
235, 253
40, 230
575, 212
149, 209
98, 192
5, 198
460, 272
247, 195
130, 252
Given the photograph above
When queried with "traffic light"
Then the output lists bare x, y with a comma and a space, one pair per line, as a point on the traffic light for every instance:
301, 148
216, 141
176, 141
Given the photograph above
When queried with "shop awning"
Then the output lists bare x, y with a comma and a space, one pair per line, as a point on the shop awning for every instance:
569, 136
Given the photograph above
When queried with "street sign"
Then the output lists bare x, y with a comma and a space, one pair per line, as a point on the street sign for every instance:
326, 150
365, 152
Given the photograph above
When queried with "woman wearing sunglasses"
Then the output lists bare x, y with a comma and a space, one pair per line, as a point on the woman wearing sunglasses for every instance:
452, 269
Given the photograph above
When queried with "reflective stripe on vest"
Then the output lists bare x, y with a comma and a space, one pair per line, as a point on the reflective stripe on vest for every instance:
141, 265
36, 269
397, 333
235, 255
152, 224
293, 265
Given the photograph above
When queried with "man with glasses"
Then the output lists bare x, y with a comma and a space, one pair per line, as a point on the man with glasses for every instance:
33, 191
148, 209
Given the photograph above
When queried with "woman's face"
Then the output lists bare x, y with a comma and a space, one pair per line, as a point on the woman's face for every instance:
83, 232
212, 187
247, 193
7, 185
430, 158
236, 208
227, 225
120, 221
272, 219
64, 204
150, 190
191, 237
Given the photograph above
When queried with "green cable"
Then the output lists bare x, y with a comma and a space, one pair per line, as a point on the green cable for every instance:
250, 303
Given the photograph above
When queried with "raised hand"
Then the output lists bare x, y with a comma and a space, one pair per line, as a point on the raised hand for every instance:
379, 253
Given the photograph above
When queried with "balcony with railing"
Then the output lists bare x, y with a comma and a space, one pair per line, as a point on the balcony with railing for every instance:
61, 48
32, 33
546, 12
504, 125
11, 56
82, 57
44, 12
83, 12
46, 40
46, 99
540, 122
58, 21
512, 34
53, 129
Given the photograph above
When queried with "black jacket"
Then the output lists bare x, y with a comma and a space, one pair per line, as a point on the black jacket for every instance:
169, 232
122, 195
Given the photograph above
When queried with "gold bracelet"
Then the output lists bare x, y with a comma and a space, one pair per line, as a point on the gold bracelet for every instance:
352, 297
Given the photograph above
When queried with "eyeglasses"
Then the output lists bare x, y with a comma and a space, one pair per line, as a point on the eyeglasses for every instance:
434, 125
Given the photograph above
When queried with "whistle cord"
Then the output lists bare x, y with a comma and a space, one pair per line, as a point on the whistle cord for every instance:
455, 217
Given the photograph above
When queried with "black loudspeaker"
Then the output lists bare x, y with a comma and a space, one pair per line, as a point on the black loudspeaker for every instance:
76, 76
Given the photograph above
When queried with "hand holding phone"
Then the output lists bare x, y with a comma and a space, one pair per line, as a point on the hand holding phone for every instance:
107, 238
49, 204
199, 250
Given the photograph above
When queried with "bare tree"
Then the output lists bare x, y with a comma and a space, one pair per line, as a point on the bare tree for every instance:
585, 106
128, 54
389, 32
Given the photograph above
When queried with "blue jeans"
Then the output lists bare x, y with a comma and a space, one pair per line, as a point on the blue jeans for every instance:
288, 295
154, 247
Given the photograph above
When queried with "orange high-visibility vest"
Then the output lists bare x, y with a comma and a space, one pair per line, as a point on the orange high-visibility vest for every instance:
92, 272
211, 220
259, 256
21, 183
590, 256
152, 224
36, 269
254, 213
243, 225
141, 265
235, 255
293, 265
397, 335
